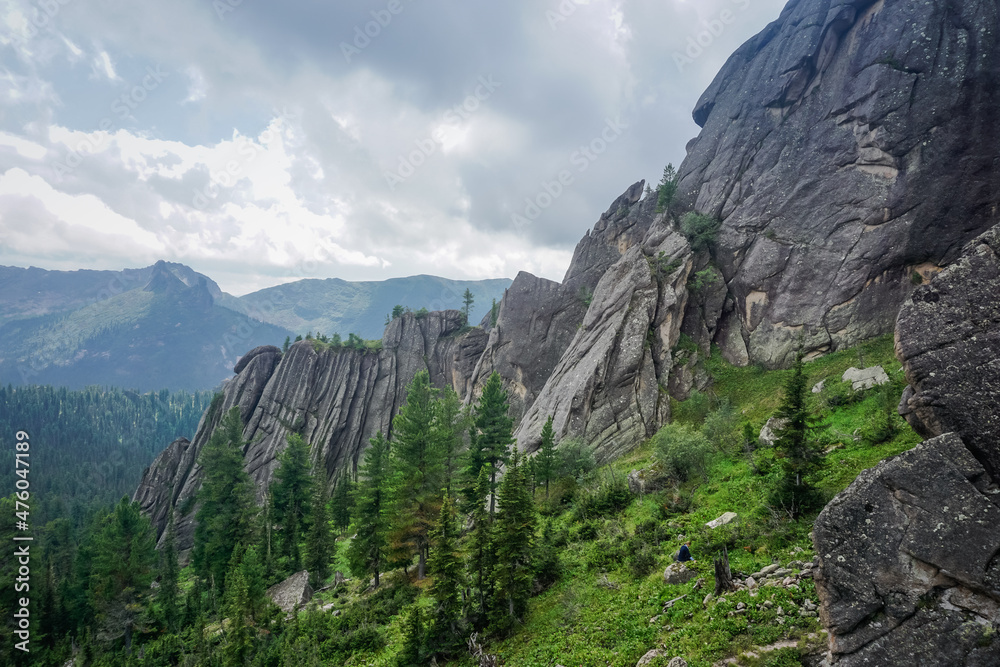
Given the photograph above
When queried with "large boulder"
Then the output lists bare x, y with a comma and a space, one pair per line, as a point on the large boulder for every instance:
948, 338
908, 569
848, 148
909, 554
678, 573
292, 593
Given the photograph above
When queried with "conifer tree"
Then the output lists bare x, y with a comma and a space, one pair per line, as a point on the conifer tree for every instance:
446, 567
514, 534
450, 422
366, 552
494, 430
320, 542
169, 573
545, 459
411, 655
239, 638
481, 548
342, 503
124, 558
225, 517
417, 472
291, 492
799, 456
468, 298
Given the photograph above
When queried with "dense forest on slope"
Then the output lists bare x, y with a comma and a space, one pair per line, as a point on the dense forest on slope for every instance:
90, 447
561, 565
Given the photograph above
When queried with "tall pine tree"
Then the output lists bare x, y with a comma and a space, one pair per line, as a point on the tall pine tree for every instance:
342, 503
225, 517
291, 492
545, 459
417, 472
481, 556
514, 534
494, 431
366, 553
124, 558
320, 542
169, 572
446, 589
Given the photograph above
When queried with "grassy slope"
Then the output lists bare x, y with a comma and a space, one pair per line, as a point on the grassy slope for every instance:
600, 612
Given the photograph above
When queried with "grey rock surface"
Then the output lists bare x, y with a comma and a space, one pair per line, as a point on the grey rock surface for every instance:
865, 378
335, 398
908, 570
537, 320
948, 338
292, 593
848, 147
678, 573
608, 388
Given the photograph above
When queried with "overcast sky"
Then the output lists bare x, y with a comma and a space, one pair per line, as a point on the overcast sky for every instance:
261, 142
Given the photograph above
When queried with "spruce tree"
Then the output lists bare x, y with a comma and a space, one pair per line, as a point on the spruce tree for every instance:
481, 548
494, 430
366, 553
417, 472
320, 541
124, 558
239, 637
545, 459
169, 573
225, 515
411, 655
446, 589
468, 298
291, 492
514, 534
799, 455
450, 421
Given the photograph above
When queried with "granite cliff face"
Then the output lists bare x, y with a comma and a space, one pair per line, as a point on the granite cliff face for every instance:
335, 398
910, 553
593, 351
848, 146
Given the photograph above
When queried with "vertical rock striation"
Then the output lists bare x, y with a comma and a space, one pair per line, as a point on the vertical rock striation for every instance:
847, 147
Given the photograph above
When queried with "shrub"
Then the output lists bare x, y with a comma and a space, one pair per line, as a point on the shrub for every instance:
573, 459
722, 427
700, 230
681, 450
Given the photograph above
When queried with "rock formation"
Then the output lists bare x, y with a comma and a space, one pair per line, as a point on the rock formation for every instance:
909, 554
847, 148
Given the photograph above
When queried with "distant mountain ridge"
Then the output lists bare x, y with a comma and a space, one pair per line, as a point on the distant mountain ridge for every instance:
168, 326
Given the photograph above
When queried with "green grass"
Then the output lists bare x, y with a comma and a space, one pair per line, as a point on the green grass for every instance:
600, 612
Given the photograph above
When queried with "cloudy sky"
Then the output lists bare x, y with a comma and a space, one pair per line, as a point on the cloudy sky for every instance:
261, 142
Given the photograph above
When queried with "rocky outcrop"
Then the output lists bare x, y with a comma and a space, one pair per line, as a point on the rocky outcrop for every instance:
537, 320
909, 554
336, 398
848, 148
948, 338
909, 571
609, 387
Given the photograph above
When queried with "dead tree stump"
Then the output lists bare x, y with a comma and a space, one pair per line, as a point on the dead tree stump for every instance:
723, 575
